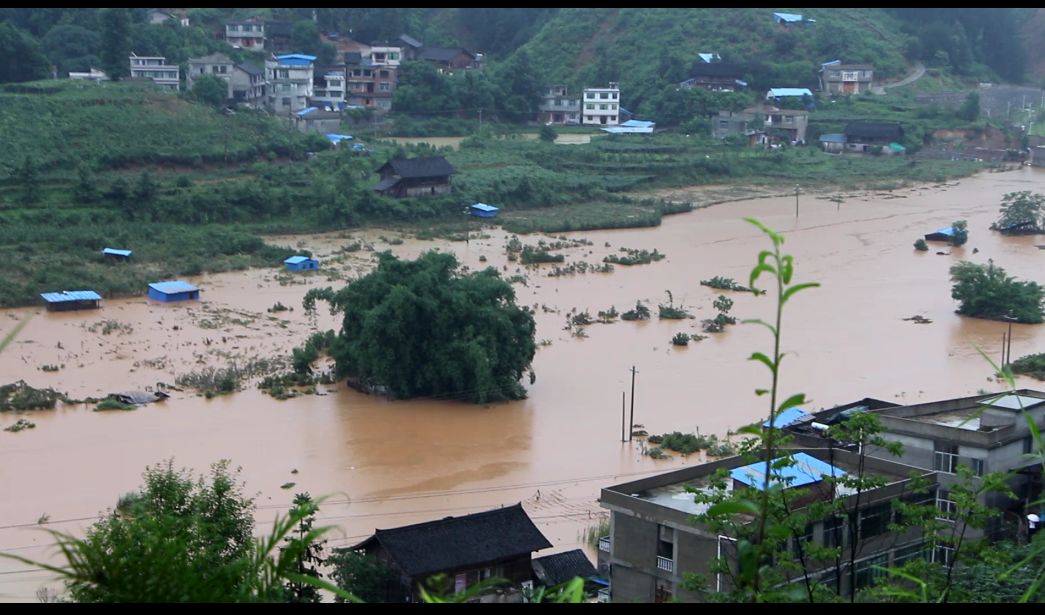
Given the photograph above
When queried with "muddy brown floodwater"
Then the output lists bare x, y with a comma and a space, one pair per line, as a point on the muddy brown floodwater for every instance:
386, 464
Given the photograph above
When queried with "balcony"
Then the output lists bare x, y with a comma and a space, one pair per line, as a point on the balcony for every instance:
604, 544
665, 564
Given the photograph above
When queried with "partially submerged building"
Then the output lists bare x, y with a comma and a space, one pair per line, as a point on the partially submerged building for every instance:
301, 263
176, 290
415, 176
72, 300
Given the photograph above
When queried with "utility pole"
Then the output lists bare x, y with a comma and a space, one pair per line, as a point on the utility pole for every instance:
631, 423
796, 201
480, 120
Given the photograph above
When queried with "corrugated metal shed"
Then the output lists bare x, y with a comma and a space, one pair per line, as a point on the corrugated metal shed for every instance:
834, 137
788, 417
787, 17
484, 207
175, 286
806, 470
1013, 402
71, 295
783, 92
116, 252
295, 260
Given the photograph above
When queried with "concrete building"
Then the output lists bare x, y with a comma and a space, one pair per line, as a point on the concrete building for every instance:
762, 125
328, 87
654, 543
156, 69
986, 433
290, 82
601, 106
247, 34
556, 107
368, 83
249, 86
216, 64
838, 78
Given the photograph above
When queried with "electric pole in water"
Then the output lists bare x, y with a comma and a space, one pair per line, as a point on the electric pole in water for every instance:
631, 423
796, 200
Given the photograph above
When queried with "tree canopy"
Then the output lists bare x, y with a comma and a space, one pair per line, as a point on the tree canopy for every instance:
1021, 212
427, 328
985, 291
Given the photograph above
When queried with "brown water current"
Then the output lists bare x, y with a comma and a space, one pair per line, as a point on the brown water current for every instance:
386, 464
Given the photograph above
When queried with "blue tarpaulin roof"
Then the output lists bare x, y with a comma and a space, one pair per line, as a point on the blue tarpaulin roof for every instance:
116, 252
709, 57
947, 230
631, 126
788, 16
336, 138
484, 207
834, 137
294, 260
306, 111
172, 287
805, 470
782, 92
787, 417
71, 295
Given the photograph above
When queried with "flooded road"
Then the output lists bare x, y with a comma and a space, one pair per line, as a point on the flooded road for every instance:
386, 464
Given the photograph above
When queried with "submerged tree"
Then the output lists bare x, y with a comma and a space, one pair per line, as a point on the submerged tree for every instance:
985, 291
1021, 212
427, 328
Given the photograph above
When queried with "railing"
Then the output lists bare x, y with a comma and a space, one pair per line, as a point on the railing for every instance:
665, 564
604, 543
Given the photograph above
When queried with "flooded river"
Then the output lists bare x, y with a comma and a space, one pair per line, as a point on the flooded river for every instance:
386, 464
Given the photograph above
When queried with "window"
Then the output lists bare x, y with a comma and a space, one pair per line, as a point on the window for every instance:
905, 554
834, 532
665, 542
283, 73
384, 74
382, 87
943, 555
613, 96
870, 570
1028, 445
723, 123
874, 520
393, 56
945, 458
589, 106
978, 466
613, 107
589, 95
945, 506
602, 107
286, 102
802, 539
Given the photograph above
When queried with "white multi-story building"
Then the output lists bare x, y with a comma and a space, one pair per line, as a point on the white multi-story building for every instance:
329, 87
249, 34
290, 82
156, 69
601, 106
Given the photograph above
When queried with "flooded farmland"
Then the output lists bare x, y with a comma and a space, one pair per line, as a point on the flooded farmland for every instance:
386, 464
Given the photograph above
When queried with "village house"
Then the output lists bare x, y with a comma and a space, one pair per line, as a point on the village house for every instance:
449, 59
838, 78
94, 75
158, 17
763, 125
72, 300
216, 64
328, 87
865, 136
715, 76
314, 119
278, 35
246, 34
415, 177
411, 47
601, 106
654, 543
176, 290
249, 86
155, 69
371, 77
467, 549
792, 19
556, 107
290, 82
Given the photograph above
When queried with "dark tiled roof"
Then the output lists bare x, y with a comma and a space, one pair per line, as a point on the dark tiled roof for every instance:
279, 28
385, 184
561, 567
409, 40
874, 130
442, 54
250, 68
716, 69
416, 168
460, 542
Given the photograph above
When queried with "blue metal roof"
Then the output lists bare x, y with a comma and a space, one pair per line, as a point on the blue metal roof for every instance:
71, 295
781, 92
294, 260
336, 138
834, 137
484, 207
296, 59
805, 470
947, 230
172, 287
116, 252
306, 111
787, 417
788, 16
709, 57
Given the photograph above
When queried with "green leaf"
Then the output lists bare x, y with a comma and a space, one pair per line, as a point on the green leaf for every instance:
797, 287
758, 321
734, 507
795, 400
787, 267
758, 356
761, 392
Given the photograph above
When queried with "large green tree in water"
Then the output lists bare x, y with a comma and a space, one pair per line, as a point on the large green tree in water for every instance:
428, 328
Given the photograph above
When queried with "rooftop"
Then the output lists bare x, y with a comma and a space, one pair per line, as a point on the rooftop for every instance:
71, 295
175, 286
